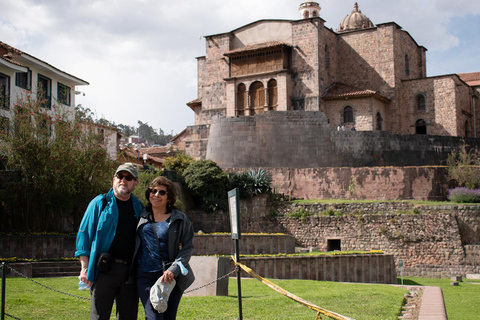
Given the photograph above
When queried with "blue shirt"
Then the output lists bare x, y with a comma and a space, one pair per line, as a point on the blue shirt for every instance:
149, 259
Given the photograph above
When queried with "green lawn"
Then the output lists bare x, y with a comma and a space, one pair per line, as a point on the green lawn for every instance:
26, 300
462, 302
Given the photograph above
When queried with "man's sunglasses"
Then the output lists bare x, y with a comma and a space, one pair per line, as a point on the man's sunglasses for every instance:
156, 191
127, 177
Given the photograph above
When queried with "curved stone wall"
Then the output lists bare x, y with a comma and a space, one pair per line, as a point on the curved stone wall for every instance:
304, 139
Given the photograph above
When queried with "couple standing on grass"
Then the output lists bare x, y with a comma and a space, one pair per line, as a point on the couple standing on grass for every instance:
125, 248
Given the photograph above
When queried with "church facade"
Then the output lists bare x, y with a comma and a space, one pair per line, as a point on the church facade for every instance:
363, 77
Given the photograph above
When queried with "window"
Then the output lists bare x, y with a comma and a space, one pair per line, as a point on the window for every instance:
257, 98
420, 99
306, 14
241, 99
420, 127
407, 65
314, 13
24, 80
4, 91
44, 93
63, 94
379, 125
334, 245
272, 94
348, 114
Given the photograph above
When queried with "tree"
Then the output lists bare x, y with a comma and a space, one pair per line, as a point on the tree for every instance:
59, 164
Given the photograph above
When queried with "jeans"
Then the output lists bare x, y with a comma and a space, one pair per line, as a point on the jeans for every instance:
145, 280
111, 286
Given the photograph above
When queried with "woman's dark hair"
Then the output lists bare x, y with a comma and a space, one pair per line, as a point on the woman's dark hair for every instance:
171, 193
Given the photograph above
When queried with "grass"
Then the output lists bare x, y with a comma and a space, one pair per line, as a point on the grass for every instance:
461, 302
27, 300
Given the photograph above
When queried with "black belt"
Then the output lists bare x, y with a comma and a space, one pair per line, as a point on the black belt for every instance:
121, 261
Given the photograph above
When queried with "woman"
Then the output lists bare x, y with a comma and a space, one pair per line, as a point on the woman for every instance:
162, 224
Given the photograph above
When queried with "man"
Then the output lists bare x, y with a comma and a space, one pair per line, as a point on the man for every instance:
106, 241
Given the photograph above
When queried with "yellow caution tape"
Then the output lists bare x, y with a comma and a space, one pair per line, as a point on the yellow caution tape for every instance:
272, 285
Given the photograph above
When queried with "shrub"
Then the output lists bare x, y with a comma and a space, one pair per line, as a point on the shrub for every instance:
300, 213
464, 166
261, 181
208, 184
464, 195
242, 181
251, 182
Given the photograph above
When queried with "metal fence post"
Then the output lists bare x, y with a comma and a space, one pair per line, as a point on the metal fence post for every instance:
4, 277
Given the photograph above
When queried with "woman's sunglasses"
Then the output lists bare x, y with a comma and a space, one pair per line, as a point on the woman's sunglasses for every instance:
156, 191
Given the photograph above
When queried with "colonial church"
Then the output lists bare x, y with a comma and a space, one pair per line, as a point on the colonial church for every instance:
363, 76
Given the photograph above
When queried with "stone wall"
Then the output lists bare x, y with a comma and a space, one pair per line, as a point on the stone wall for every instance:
433, 241
304, 139
368, 268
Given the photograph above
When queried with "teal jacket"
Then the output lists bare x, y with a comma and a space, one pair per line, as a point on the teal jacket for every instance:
98, 228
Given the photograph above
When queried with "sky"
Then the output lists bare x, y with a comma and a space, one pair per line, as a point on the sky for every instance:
139, 56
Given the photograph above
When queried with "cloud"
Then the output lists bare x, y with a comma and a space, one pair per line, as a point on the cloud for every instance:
139, 56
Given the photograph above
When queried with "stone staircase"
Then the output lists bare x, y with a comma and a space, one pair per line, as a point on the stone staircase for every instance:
47, 269
55, 269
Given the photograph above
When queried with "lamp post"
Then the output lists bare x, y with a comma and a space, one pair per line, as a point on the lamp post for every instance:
139, 145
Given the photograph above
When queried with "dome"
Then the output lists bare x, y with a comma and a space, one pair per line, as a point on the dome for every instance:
355, 21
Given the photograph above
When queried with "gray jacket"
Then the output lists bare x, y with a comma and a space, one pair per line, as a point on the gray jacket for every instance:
180, 245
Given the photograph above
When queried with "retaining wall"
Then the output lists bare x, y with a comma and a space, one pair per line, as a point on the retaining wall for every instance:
368, 268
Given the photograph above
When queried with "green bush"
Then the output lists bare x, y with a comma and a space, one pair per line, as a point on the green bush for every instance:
300, 213
178, 163
464, 166
261, 181
208, 184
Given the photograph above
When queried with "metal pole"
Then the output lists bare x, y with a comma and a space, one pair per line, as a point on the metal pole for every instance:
239, 285
4, 277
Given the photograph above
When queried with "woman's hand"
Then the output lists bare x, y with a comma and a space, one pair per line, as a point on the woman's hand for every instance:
167, 276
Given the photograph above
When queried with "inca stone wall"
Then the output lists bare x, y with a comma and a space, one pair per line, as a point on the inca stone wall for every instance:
433, 241
304, 139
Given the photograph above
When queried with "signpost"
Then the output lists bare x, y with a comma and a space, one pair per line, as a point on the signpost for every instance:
234, 209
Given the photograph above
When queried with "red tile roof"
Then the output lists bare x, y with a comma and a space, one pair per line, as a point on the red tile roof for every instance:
342, 91
471, 78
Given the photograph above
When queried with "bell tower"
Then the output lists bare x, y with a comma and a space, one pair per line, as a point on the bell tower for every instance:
309, 10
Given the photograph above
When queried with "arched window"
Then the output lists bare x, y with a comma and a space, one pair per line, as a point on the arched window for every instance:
314, 13
306, 14
241, 99
407, 65
420, 99
379, 123
257, 98
348, 114
420, 127
467, 129
272, 95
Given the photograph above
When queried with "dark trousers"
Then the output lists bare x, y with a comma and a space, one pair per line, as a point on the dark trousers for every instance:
145, 280
111, 286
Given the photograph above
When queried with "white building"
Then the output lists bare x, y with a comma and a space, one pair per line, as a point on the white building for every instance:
23, 75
